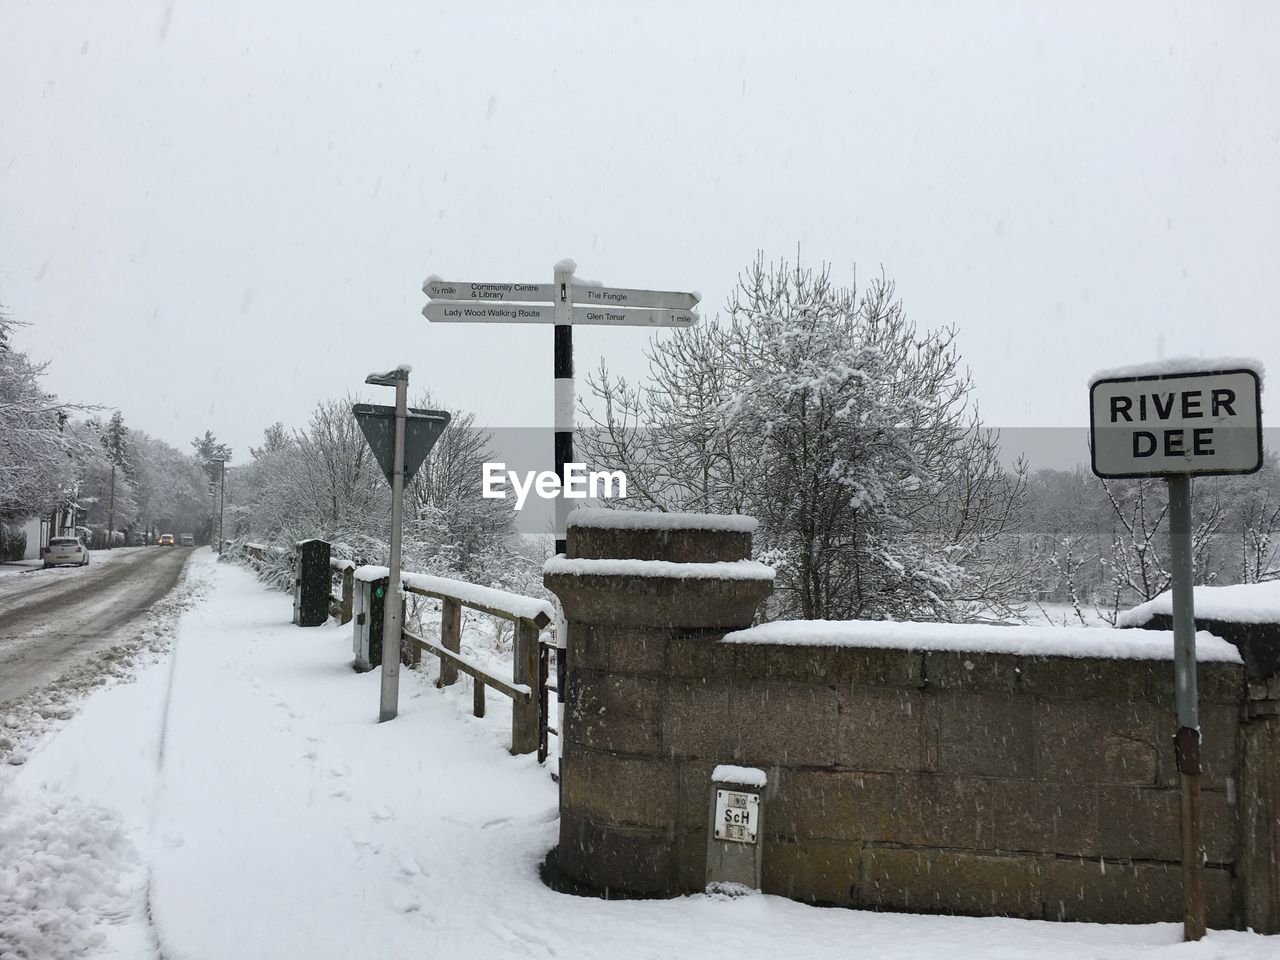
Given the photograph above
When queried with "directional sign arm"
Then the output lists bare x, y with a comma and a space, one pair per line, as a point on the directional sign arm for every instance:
621, 297
438, 289
633, 317
457, 311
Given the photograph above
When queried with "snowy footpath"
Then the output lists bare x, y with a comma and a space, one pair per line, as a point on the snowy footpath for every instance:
238, 801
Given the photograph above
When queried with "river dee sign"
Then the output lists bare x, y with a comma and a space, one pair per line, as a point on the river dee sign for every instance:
1201, 422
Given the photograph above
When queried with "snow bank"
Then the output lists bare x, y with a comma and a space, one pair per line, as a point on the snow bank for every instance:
743, 776
657, 520
65, 867
1177, 365
516, 604
1041, 641
721, 570
1238, 603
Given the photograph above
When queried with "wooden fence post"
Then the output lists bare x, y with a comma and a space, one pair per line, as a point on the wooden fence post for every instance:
524, 716
477, 698
348, 594
451, 639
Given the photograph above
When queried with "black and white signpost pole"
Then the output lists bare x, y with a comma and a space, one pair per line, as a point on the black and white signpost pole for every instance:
1178, 420
563, 422
565, 302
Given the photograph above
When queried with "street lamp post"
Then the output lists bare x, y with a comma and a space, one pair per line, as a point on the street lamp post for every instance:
222, 497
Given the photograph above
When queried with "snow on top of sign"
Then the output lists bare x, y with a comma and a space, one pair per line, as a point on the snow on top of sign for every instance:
516, 604
743, 776
1173, 366
369, 573
567, 264
720, 570
1237, 603
657, 520
1100, 642
433, 278
405, 368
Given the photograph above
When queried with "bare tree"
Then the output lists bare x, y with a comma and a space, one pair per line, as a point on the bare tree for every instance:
1138, 561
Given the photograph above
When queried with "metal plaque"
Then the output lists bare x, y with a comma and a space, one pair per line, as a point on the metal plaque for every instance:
1201, 423
737, 816
422, 428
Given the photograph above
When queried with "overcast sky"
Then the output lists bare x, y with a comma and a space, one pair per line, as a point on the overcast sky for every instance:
213, 215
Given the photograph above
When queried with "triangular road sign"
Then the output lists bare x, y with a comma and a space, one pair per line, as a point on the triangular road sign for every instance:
422, 428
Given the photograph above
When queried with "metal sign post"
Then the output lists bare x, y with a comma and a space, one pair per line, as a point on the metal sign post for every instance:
393, 613
1186, 739
1176, 426
429, 425
565, 302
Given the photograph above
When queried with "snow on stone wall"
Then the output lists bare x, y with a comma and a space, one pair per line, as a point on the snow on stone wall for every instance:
983, 638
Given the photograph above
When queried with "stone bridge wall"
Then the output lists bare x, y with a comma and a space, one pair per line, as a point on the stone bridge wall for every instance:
1032, 786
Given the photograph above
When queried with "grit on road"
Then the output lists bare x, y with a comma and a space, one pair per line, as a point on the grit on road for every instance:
51, 619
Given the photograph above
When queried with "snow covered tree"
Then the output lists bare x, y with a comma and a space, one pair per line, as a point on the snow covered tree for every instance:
1251, 522
847, 431
449, 525
1138, 561
33, 447
170, 487
115, 444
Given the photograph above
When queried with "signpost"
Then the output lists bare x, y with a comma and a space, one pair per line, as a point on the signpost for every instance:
400, 440
1179, 424
461, 311
565, 303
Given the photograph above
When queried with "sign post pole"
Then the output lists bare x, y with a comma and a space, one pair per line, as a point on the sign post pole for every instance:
564, 303
400, 439
1177, 420
563, 417
1186, 703
394, 608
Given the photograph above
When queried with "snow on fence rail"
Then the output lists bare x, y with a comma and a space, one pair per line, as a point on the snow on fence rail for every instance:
530, 617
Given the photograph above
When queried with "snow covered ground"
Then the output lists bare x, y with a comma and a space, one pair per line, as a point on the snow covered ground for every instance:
238, 800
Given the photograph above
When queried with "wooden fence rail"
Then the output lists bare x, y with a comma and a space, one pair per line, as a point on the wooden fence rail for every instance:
529, 617
527, 687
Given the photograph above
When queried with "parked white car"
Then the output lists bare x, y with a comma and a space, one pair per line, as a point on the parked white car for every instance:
64, 550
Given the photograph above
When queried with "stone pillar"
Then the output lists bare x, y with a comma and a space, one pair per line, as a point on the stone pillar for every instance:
1260, 807
639, 590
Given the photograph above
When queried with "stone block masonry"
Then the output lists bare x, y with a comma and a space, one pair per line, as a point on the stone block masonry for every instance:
965, 781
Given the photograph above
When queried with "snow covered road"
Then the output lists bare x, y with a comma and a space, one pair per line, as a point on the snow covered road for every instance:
49, 620
240, 800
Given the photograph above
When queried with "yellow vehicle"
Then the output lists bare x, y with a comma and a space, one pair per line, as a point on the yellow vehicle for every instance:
166, 540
